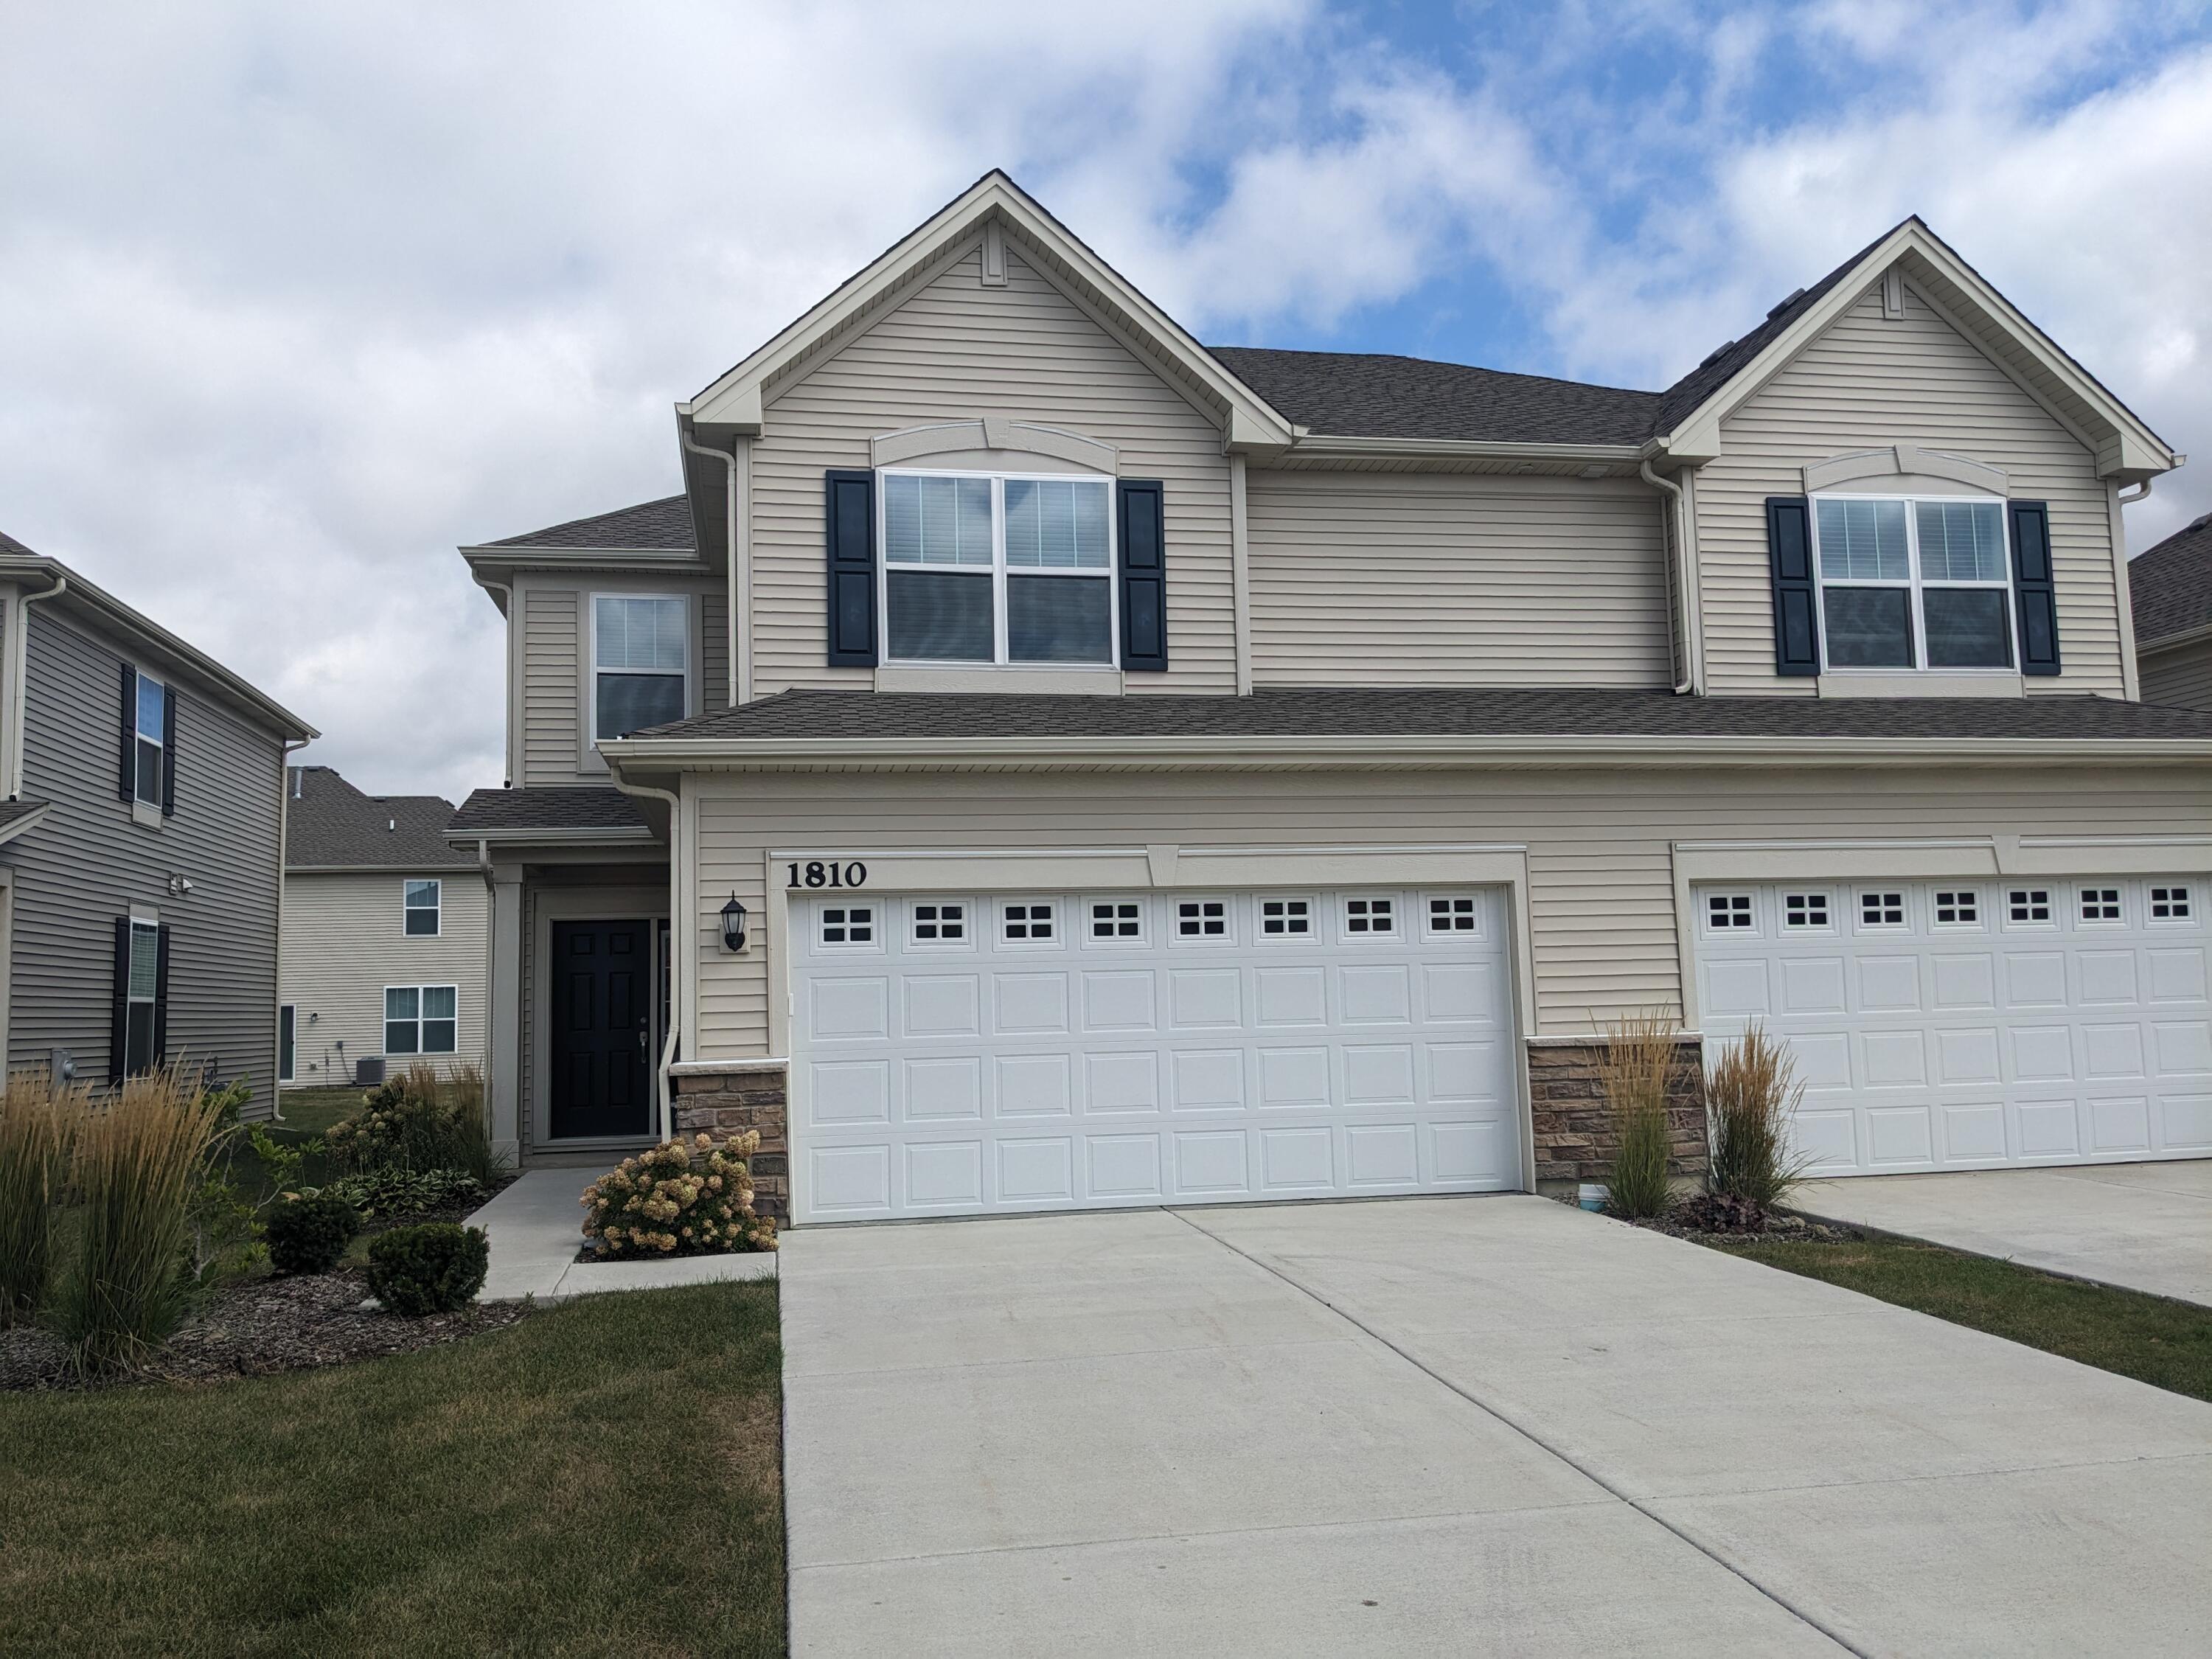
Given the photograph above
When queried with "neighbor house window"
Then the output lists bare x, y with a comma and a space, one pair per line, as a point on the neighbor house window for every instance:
990, 568
421, 1019
1913, 582
153, 731
640, 662
420, 908
142, 992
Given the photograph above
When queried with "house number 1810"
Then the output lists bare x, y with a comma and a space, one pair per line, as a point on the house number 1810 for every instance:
820, 872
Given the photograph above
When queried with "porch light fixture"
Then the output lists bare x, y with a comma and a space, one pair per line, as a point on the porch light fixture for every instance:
733, 924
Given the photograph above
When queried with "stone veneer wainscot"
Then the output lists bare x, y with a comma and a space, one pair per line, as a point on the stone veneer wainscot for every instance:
723, 1098
1573, 1128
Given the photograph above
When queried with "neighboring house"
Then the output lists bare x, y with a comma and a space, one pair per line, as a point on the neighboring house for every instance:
1081, 768
2173, 587
140, 842
387, 928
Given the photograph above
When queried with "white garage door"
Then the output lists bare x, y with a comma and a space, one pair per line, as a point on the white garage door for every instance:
961, 1054
1946, 1024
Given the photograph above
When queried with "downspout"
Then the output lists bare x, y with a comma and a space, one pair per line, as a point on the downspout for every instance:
739, 575
2142, 492
19, 683
679, 937
283, 871
1672, 516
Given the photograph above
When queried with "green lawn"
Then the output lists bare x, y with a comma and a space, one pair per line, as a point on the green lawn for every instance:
311, 1111
604, 1477
2167, 1344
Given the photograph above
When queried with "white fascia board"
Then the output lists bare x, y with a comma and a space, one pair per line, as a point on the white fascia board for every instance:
733, 403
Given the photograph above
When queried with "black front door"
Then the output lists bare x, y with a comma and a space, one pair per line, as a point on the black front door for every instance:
602, 1014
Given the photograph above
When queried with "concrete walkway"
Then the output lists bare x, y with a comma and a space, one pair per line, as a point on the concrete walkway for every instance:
1423, 1427
535, 1228
2144, 1226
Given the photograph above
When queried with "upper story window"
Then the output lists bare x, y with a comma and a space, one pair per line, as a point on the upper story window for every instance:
640, 662
419, 905
1913, 582
153, 730
997, 568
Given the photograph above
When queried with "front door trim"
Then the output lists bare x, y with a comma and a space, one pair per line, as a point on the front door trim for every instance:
643, 903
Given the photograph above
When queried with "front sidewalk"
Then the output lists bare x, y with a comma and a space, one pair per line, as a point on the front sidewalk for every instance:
536, 1229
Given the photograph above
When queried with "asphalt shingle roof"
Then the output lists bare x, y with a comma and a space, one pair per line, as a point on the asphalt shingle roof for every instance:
330, 825
12, 810
585, 808
2170, 587
1355, 394
1478, 712
662, 526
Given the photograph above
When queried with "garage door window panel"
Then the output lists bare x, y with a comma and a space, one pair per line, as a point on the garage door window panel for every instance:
1116, 922
848, 928
1030, 922
2098, 906
1728, 913
1959, 907
1454, 915
2029, 906
1370, 918
938, 924
1205, 921
1913, 583
1286, 918
2170, 903
1806, 911
1882, 910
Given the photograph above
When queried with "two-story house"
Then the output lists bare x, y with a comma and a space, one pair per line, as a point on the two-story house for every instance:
141, 862
387, 936
1039, 762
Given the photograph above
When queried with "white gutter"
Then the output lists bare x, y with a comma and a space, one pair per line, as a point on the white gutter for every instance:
679, 944
1327, 445
2142, 492
1677, 549
19, 732
283, 880
739, 575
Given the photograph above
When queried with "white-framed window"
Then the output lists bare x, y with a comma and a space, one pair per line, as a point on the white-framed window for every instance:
2099, 904
1033, 921
937, 921
847, 924
1118, 921
1806, 911
640, 662
1958, 906
1728, 913
2170, 904
422, 1020
1881, 906
1454, 915
997, 568
152, 723
2029, 906
1286, 918
142, 993
1376, 918
419, 903
1913, 582
1202, 918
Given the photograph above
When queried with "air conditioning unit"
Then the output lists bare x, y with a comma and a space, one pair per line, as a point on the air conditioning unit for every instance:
368, 1073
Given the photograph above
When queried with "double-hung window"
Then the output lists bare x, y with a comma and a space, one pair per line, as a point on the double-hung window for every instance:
997, 568
640, 662
153, 733
1913, 582
421, 1019
419, 908
142, 995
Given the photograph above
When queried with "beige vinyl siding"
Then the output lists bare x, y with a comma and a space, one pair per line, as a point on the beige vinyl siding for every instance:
955, 350
1410, 579
1600, 843
1864, 383
2181, 675
345, 940
552, 678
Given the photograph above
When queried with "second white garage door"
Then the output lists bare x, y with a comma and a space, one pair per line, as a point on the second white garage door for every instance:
983, 1054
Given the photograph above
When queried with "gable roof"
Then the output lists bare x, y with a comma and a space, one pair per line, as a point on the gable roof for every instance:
2170, 586
661, 526
331, 825
1360, 394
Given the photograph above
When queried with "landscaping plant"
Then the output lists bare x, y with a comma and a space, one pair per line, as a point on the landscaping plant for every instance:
138, 1161
35, 1138
433, 1268
680, 1200
1751, 1093
390, 1193
308, 1235
1638, 1068
418, 1120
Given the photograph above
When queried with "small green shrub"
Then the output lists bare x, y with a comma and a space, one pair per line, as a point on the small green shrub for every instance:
433, 1269
308, 1235
1639, 1069
393, 1193
680, 1200
1752, 1094
418, 1120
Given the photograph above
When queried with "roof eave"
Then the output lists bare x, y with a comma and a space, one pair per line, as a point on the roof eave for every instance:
24, 821
2201, 634
1325, 445
593, 834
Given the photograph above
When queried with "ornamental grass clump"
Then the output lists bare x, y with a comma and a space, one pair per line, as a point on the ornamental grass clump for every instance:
680, 1200
35, 1122
138, 1163
1638, 1068
1752, 1095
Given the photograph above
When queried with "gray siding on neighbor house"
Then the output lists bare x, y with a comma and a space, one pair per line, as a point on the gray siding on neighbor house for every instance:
89, 863
2181, 675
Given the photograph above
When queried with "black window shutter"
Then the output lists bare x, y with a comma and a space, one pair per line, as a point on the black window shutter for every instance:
119, 1023
127, 779
161, 994
1139, 505
849, 514
2033, 590
1796, 605
168, 751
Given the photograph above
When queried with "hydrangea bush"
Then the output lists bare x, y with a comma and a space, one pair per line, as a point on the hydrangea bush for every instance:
680, 1200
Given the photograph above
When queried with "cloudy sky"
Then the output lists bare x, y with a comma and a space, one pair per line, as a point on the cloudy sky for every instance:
296, 298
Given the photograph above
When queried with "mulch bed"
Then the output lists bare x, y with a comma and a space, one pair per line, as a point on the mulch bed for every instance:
1774, 1226
263, 1325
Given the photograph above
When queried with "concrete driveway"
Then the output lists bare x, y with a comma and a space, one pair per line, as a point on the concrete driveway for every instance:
2146, 1226
1427, 1426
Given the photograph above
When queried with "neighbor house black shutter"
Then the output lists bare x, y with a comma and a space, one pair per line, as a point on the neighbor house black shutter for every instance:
2033, 588
169, 750
1796, 606
849, 514
127, 777
161, 994
118, 1020
1139, 505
